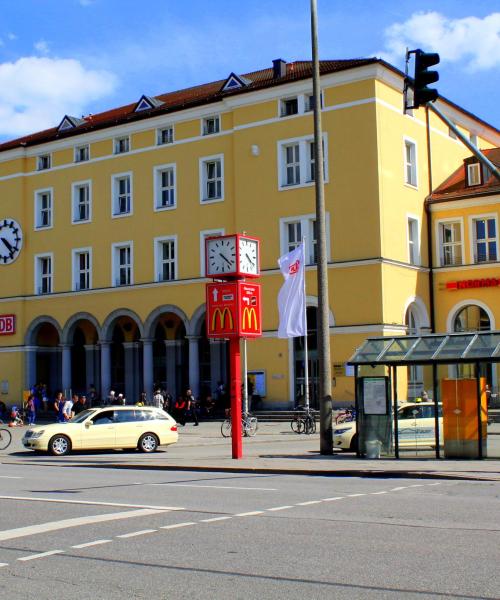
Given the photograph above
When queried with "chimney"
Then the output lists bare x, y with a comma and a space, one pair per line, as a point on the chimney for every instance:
279, 68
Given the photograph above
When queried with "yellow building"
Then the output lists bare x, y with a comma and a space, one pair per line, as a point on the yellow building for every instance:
106, 283
464, 212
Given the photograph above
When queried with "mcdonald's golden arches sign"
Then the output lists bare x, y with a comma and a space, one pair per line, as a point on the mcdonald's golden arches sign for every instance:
234, 310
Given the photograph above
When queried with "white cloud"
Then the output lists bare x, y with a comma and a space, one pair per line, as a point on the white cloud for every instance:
42, 47
472, 40
36, 92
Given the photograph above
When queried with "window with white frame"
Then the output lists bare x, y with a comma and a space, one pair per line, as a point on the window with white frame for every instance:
473, 174
413, 241
289, 106
296, 162
122, 264
122, 194
211, 125
485, 239
166, 259
212, 179
81, 202
203, 236
293, 229
82, 153
165, 196
450, 237
44, 274
43, 162
43, 209
122, 144
165, 135
82, 269
309, 102
410, 150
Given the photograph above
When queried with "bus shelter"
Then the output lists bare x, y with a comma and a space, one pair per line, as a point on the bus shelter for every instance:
426, 395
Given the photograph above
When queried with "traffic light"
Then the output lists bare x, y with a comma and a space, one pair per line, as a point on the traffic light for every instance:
421, 93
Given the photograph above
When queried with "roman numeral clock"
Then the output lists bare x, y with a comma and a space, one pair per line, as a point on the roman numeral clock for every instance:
11, 241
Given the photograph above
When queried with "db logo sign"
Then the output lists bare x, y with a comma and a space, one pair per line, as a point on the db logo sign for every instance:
294, 267
7, 324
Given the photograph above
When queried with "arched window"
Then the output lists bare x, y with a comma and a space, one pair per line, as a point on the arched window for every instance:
471, 318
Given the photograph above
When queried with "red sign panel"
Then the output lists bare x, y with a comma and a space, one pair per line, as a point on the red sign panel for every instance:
234, 310
222, 309
250, 309
7, 324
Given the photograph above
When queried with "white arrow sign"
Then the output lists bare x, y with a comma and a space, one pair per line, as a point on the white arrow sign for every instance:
215, 293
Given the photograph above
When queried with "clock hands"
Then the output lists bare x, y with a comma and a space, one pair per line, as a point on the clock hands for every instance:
250, 260
7, 244
226, 259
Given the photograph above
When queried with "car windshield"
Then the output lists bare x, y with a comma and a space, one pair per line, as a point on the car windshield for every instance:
83, 415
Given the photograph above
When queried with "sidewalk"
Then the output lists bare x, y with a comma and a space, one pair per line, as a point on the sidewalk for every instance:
275, 449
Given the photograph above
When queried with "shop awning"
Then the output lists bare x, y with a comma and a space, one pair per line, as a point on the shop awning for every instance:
429, 349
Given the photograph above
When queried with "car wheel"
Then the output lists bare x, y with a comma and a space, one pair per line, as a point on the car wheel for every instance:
354, 443
148, 442
59, 445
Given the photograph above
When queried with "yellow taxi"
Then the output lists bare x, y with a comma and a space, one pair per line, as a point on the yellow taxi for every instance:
109, 427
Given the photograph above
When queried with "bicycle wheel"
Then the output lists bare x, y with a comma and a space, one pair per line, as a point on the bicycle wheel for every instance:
5, 438
297, 424
309, 425
225, 428
252, 426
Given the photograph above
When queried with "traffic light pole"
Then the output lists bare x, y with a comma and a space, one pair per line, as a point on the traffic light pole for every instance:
479, 155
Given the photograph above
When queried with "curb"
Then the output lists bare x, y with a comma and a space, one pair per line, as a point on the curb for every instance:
368, 473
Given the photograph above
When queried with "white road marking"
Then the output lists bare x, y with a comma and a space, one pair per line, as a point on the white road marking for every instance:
331, 499
308, 503
377, 493
278, 508
76, 522
212, 520
136, 533
178, 525
438, 483
396, 489
9, 477
218, 487
96, 543
4, 565
417, 485
250, 514
89, 502
41, 555
354, 495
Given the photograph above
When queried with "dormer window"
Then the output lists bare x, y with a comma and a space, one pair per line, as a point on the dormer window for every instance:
122, 145
474, 174
43, 162
211, 125
289, 106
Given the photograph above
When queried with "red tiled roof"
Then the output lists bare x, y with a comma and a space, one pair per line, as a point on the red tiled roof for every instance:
456, 185
189, 97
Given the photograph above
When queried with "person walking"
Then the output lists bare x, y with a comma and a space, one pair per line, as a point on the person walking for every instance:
191, 406
59, 403
179, 412
167, 401
158, 399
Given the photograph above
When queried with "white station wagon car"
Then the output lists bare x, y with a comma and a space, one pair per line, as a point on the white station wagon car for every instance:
416, 428
110, 427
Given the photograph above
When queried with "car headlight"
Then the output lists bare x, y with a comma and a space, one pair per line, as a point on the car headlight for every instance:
37, 434
341, 431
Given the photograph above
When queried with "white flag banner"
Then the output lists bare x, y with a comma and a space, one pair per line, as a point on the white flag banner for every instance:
291, 297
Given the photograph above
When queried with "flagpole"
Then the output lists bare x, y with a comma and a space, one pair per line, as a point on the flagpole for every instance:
306, 351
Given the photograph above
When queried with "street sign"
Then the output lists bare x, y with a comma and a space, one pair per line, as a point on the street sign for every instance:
233, 310
7, 324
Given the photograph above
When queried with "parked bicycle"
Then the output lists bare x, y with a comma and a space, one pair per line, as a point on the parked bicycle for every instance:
303, 421
249, 426
5, 438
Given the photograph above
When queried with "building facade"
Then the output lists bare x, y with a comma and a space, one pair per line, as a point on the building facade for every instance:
106, 284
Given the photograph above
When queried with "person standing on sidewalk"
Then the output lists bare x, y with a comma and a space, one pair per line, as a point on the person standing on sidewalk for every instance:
191, 406
30, 409
59, 403
158, 399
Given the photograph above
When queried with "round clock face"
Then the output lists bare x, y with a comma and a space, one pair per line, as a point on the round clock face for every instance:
11, 241
221, 256
249, 259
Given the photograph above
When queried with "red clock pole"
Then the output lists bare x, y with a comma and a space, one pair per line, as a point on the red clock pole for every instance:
235, 371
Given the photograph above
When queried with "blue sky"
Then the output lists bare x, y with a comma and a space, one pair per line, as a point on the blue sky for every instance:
84, 56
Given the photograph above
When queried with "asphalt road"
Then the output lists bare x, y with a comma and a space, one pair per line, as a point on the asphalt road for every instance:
78, 532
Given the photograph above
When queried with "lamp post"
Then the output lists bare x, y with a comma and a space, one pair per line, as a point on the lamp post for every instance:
325, 377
